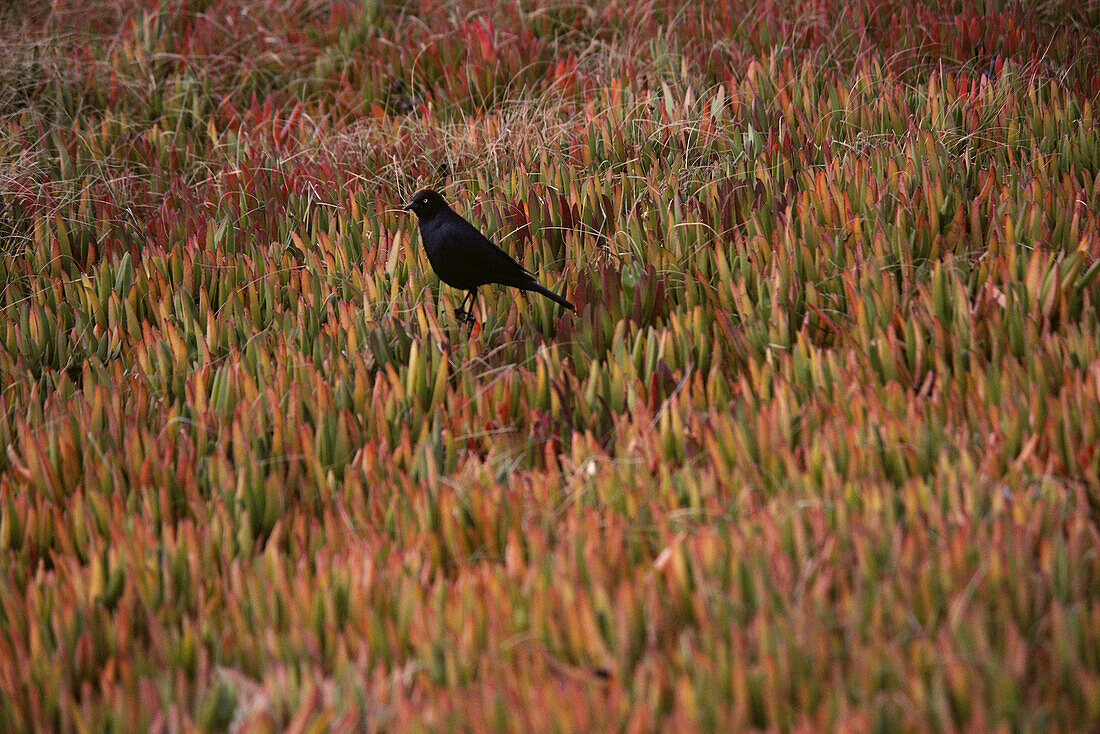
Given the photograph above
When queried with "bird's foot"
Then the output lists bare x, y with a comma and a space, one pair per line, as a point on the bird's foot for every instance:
464, 316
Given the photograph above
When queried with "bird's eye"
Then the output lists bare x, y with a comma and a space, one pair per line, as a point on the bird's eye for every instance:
424, 200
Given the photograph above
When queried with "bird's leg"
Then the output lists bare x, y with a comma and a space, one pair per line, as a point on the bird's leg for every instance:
460, 312
470, 313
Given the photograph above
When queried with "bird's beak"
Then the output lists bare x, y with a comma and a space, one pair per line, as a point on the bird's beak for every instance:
408, 207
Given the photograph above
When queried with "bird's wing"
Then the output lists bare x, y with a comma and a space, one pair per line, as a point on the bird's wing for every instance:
479, 249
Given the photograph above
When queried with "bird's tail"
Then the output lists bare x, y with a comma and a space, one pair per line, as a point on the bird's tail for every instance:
551, 295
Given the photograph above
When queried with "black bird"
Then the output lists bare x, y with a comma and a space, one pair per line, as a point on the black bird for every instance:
464, 258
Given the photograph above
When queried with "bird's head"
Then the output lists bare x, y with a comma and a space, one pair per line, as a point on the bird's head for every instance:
426, 204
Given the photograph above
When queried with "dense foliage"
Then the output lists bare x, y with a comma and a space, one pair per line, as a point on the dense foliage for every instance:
819, 451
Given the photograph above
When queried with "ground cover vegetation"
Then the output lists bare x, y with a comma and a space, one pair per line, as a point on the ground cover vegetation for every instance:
820, 449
